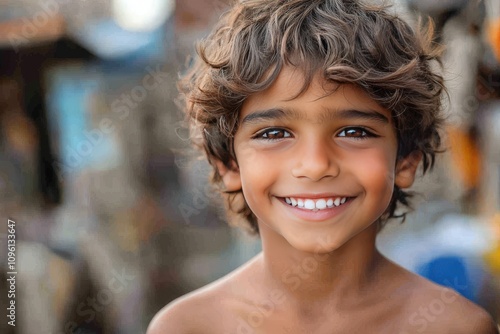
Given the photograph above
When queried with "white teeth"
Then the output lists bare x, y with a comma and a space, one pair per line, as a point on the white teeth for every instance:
315, 205
320, 204
309, 204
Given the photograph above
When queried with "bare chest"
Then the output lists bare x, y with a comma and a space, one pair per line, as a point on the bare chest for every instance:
260, 320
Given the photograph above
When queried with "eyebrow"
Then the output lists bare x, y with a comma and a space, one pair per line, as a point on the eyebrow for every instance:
270, 114
326, 115
369, 114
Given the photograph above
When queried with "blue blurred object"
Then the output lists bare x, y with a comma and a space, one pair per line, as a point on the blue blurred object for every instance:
80, 143
450, 271
445, 248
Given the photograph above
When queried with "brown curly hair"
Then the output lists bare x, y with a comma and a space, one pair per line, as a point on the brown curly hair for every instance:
348, 41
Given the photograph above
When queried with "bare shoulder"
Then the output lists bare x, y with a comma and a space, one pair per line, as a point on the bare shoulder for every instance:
432, 308
461, 316
183, 315
210, 309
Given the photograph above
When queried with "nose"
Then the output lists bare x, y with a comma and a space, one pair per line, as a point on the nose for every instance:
315, 160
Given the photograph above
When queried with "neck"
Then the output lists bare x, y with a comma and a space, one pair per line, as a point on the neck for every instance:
308, 278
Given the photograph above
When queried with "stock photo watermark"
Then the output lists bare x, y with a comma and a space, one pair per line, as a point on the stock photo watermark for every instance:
89, 308
121, 109
430, 312
31, 26
292, 278
11, 272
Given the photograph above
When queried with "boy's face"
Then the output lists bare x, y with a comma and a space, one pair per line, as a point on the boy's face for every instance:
312, 150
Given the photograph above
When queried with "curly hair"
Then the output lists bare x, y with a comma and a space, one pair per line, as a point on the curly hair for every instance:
347, 41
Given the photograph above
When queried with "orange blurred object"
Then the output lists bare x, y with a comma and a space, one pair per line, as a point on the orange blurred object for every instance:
493, 33
492, 257
465, 156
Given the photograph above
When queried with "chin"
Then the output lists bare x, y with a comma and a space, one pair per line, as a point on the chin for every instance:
316, 244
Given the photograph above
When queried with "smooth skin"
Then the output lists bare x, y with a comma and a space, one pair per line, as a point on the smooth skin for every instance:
319, 272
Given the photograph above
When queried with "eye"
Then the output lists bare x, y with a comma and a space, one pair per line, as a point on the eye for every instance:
356, 132
273, 134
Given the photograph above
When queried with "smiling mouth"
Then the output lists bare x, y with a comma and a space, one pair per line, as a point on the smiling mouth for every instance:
317, 204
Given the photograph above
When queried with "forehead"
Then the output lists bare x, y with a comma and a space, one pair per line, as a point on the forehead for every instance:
287, 92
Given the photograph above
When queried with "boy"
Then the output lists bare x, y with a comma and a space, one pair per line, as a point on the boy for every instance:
315, 115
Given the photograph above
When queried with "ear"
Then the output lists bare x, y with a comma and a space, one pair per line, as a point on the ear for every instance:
230, 176
406, 169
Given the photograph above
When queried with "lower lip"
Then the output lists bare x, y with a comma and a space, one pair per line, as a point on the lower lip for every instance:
316, 216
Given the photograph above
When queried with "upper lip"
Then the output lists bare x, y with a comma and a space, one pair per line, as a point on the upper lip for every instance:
314, 196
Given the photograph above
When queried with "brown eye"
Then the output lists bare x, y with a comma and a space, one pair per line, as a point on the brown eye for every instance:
354, 133
275, 134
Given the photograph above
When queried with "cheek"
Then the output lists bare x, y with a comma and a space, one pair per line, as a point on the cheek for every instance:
253, 165
376, 173
258, 162
257, 174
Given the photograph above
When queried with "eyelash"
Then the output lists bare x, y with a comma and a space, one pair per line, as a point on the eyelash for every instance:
365, 134
261, 134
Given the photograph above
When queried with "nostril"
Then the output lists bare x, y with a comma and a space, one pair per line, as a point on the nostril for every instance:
315, 160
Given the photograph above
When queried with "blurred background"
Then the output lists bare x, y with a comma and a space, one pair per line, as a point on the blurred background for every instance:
114, 216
